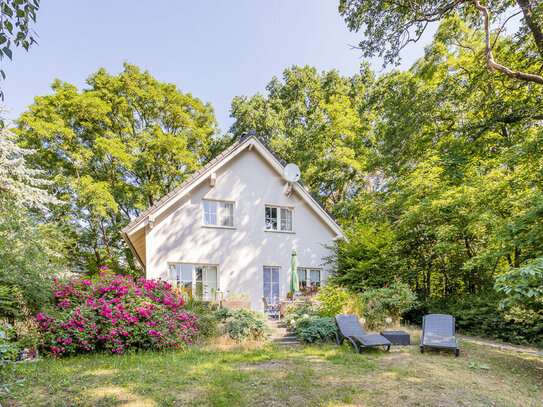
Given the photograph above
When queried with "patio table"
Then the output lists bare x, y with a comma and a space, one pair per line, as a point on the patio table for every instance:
397, 337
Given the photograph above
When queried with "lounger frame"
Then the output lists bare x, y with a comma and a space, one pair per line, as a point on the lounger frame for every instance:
442, 328
349, 328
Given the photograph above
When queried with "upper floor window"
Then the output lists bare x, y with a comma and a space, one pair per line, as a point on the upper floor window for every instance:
277, 218
218, 213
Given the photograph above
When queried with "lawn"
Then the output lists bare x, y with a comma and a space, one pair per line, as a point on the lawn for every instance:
324, 375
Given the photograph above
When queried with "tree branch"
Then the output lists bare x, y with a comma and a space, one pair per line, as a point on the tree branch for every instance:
492, 64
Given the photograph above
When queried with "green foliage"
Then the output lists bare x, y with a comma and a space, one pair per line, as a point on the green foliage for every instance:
242, 324
316, 329
483, 316
17, 181
293, 313
333, 300
365, 258
389, 26
29, 260
392, 301
8, 354
523, 286
208, 324
15, 31
114, 148
308, 322
315, 120
460, 196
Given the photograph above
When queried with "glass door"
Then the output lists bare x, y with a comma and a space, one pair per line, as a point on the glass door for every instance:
271, 284
209, 282
198, 281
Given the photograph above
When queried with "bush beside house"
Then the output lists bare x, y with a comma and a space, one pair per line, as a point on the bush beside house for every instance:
115, 314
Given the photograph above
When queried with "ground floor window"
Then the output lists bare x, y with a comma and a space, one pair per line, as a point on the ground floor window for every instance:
309, 277
197, 280
271, 284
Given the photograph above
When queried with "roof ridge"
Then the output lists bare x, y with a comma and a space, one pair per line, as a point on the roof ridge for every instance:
244, 136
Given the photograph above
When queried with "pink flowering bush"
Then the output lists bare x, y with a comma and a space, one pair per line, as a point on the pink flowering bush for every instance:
115, 314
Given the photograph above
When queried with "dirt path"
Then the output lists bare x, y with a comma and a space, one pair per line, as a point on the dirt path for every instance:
502, 345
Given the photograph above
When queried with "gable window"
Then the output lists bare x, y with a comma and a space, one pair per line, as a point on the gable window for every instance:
277, 218
218, 213
309, 277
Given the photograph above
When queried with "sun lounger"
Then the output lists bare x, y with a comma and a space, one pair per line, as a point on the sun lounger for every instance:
350, 329
438, 332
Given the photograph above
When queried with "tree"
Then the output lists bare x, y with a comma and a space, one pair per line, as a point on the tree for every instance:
523, 286
314, 120
17, 15
30, 248
453, 196
114, 149
31, 255
389, 26
17, 181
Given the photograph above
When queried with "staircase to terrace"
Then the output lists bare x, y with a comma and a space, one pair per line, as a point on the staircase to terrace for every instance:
281, 333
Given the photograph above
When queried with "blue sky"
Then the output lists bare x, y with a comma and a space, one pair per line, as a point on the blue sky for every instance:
213, 49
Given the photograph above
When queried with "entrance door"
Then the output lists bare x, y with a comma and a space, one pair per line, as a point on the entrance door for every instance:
271, 284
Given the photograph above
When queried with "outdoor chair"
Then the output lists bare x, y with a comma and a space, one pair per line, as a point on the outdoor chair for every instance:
270, 309
438, 332
349, 328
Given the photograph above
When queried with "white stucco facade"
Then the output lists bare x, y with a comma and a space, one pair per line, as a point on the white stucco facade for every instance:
177, 235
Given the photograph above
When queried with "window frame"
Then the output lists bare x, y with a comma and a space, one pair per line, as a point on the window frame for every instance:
280, 218
279, 276
307, 271
218, 202
193, 276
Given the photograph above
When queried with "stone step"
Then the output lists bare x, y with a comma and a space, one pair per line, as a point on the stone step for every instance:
285, 341
274, 337
275, 323
283, 330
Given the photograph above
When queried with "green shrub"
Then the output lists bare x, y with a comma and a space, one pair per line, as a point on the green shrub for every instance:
523, 286
316, 329
334, 300
8, 354
390, 301
482, 316
293, 313
242, 324
208, 324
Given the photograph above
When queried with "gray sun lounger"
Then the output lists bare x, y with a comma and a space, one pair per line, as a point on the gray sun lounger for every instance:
438, 332
350, 329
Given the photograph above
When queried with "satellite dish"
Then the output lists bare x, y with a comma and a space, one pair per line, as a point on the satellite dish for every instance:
292, 173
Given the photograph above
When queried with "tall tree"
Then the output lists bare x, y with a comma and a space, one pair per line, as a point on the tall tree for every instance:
315, 120
18, 182
461, 162
114, 149
389, 26
30, 248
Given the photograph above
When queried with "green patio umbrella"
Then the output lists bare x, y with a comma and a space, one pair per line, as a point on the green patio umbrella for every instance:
294, 280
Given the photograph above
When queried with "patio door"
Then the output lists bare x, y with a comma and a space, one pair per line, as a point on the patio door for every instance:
199, 281
271, 284
206, 281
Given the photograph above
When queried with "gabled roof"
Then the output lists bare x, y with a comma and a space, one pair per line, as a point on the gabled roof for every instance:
245, 140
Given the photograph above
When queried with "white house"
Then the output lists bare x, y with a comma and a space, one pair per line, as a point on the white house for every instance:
232, 227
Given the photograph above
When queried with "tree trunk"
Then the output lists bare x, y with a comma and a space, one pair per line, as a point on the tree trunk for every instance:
534, 27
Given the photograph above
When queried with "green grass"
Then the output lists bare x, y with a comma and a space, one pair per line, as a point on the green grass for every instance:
326, 375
